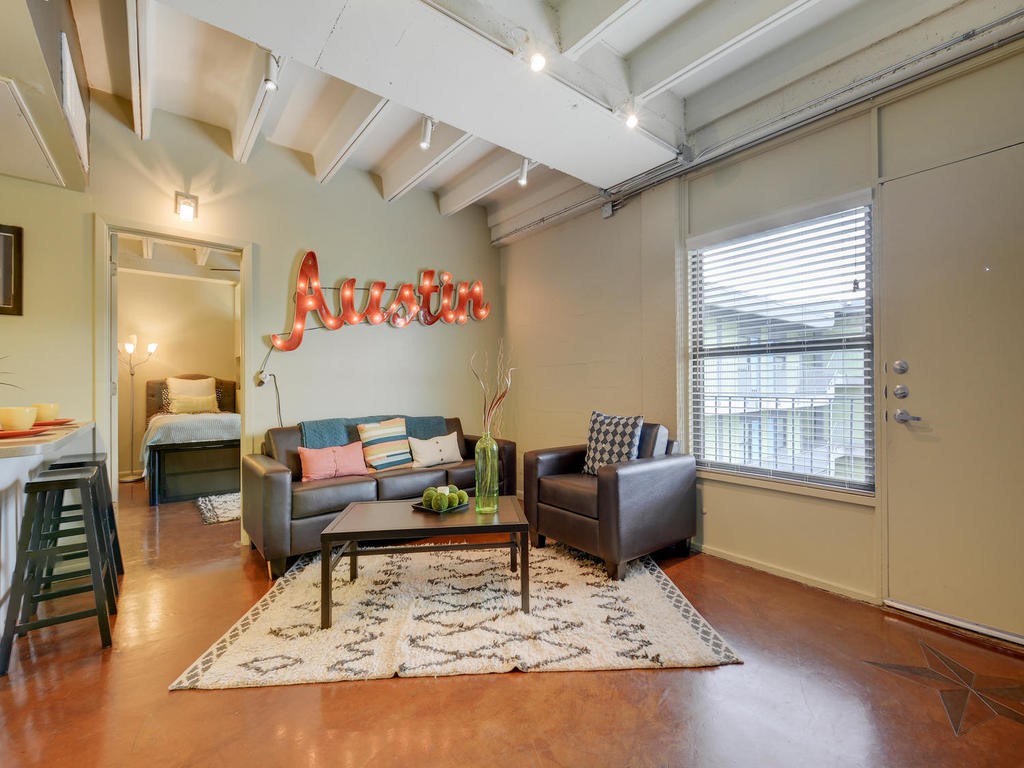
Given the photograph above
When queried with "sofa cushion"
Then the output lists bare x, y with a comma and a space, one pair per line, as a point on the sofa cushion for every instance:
282, 444
437, 450
335, 461
576, 493
611, 440
317, 497
321, 433
385, 444
461, 475
653, 441
407, 483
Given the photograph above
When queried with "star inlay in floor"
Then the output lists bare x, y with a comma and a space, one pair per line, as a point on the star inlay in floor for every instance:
970, 699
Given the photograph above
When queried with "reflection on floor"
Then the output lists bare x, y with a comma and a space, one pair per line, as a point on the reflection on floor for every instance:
804, 695
970, 699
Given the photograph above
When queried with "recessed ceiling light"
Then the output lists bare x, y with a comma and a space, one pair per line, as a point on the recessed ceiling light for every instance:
632, 120
537, 61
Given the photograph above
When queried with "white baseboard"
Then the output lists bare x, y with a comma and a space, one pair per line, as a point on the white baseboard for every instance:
803, 578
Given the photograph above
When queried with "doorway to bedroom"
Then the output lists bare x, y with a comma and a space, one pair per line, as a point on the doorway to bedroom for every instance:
176, 321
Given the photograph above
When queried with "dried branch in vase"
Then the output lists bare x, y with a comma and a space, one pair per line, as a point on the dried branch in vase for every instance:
502, 385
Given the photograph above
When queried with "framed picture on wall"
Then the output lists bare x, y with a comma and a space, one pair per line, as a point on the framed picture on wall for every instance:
10, 270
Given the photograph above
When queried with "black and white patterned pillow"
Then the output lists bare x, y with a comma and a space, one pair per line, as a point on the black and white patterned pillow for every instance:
611, 440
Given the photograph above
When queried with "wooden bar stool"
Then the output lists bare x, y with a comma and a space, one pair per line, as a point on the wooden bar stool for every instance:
44, 540
65, 515
98, 460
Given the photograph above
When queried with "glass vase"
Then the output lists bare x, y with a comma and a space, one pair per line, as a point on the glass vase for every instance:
486, 475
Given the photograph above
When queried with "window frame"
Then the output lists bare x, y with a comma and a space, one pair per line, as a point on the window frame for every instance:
784, 428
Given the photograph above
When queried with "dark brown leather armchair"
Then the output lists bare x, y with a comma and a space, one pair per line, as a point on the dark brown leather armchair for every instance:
625, 511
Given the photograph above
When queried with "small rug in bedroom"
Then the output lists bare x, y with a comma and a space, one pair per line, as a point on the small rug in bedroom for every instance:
457, 613
221, 508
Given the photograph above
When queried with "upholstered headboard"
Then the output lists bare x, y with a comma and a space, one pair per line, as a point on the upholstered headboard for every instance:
156, 392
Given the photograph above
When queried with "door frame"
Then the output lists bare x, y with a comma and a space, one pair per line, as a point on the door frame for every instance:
105, 359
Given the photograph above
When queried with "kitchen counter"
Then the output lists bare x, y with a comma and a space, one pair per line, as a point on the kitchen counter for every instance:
45, 443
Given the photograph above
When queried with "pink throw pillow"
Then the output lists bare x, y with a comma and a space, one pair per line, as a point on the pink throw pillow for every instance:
335, 461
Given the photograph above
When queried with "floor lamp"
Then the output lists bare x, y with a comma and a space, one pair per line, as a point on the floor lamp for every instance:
132, 363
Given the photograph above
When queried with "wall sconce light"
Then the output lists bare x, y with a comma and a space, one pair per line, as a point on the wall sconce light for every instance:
524, 169
426, 132
186, 206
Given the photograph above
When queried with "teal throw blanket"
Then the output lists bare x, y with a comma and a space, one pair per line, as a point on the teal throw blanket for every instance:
323, 433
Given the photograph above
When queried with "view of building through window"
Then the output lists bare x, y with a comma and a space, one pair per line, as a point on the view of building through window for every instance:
781, 363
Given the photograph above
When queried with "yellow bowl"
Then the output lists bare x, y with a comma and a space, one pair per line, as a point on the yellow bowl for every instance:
47, 411
17, 417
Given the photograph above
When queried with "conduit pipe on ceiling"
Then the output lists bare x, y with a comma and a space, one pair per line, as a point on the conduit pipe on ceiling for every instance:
795, 118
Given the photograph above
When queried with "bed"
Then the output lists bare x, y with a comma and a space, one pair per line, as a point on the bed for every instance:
188, 455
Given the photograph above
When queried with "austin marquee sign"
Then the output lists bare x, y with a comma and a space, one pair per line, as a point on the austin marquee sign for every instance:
455, 303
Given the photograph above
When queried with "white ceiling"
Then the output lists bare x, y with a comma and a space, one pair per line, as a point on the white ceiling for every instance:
357, 76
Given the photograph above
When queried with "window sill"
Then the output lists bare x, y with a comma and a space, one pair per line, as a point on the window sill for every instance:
860, 498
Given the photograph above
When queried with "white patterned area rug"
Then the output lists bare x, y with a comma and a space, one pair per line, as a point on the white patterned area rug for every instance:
457, 613
220, 509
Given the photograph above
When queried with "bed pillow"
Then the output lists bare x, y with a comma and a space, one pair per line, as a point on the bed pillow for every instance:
193, 404
335, 461
385, 444
611, 440
191, 387
436, 450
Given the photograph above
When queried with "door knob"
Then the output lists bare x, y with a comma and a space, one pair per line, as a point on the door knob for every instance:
900, 391
900, 366
903, 416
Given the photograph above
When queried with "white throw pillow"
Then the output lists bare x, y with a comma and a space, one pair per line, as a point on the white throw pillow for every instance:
191, 387
436, 450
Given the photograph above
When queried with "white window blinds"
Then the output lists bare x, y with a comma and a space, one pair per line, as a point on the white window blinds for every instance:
781, 353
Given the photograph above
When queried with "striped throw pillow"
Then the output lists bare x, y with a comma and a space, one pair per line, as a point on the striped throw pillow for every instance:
385, 444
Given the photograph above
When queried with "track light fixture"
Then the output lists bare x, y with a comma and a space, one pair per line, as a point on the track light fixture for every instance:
270, 74
426, 131
628, 109
524, 169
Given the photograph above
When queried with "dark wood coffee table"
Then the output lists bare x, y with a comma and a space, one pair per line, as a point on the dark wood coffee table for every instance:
385, 520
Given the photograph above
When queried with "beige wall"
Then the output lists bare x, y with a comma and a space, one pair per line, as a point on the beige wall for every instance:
274, 203
192, 321
604, 345
47, 350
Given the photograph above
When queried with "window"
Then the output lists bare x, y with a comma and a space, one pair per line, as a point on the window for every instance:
781, 353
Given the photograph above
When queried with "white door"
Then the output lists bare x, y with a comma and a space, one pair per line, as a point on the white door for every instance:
951, 290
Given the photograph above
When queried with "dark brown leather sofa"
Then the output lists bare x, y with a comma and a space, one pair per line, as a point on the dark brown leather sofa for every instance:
284, 516
625, 511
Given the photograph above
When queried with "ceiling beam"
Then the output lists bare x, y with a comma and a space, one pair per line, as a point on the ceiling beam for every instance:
578, 199
496, 172
711, 32
349, 127
532, 198
250, 122
410, 164
140, 48
582, 22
